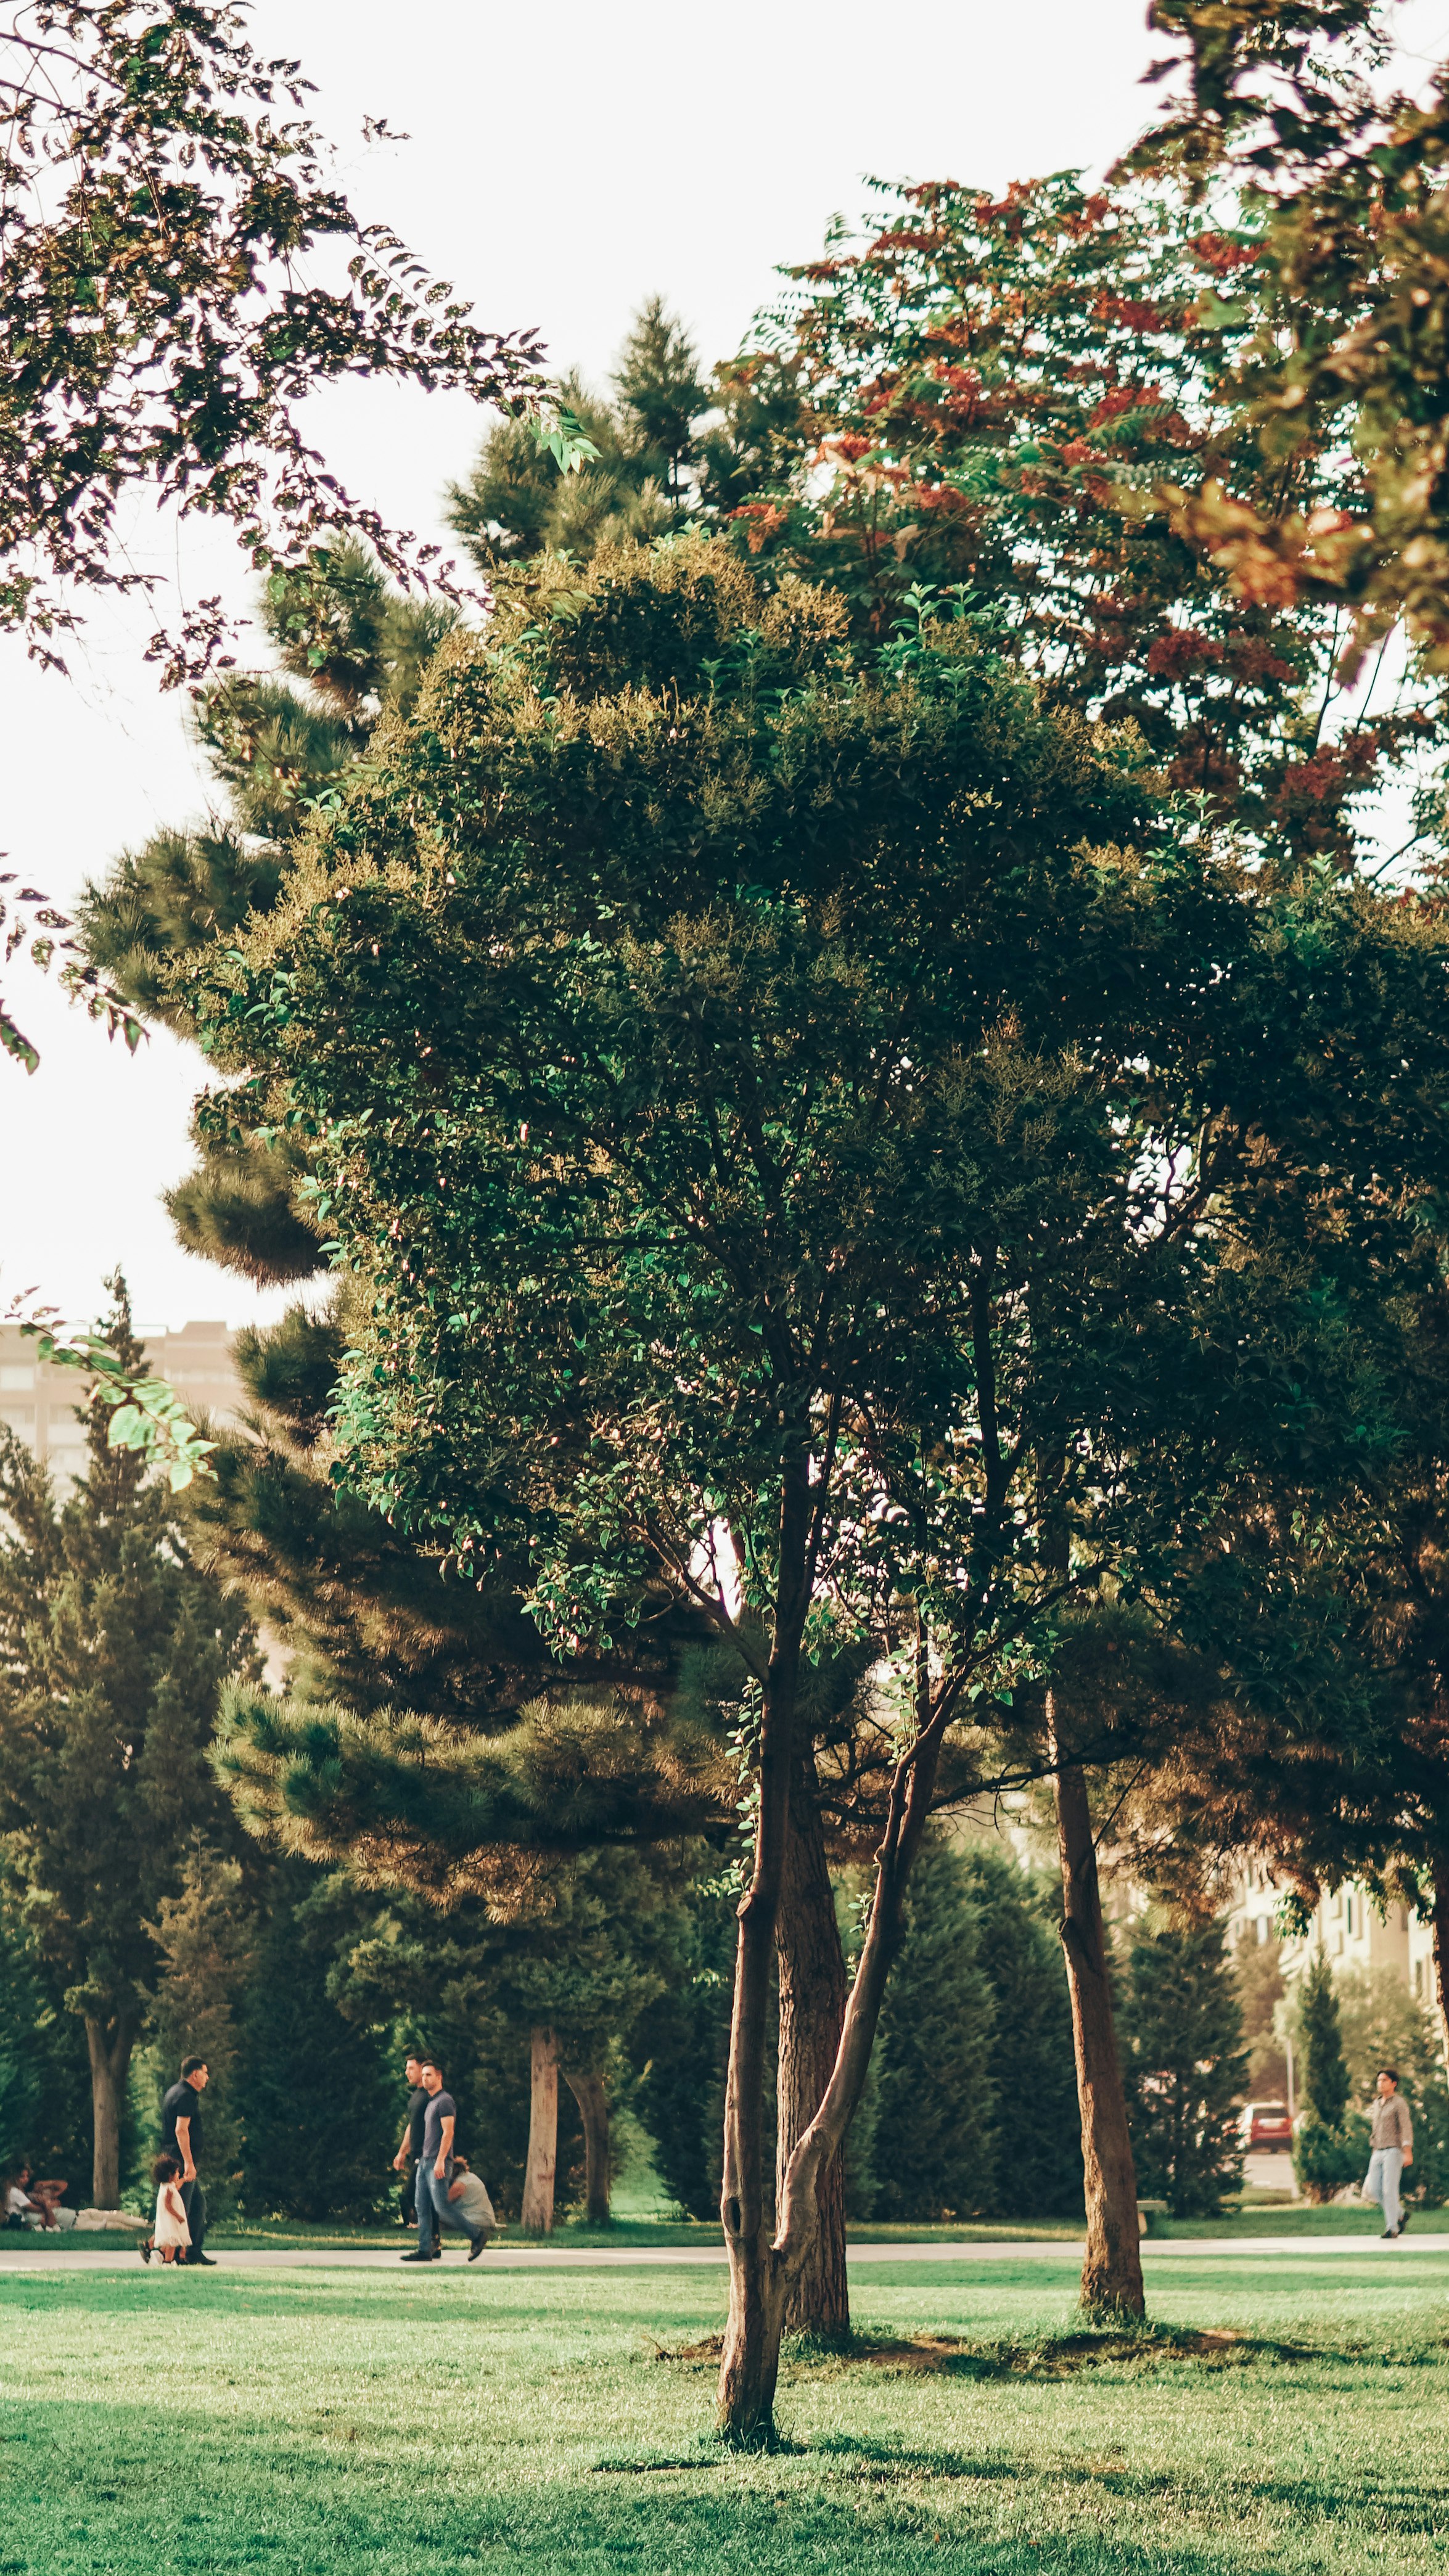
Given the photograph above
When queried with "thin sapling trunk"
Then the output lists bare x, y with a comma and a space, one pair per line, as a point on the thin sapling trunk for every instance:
1112, 2271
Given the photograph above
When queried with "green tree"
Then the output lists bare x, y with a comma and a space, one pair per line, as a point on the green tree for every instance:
679, 2046
115, 1649
935, 2143
1182, 2028
204, 1936
1331, 2146
1325, 2078
156, 330
318, 2090
668, 447
1038, 2170
765, 1226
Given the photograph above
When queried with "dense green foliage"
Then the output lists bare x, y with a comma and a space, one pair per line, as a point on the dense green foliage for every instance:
936, 2080
115, 1649
320, 2094
1185, 2066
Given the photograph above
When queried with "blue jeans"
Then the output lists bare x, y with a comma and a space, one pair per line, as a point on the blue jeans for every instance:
1381, 2183
435, 2210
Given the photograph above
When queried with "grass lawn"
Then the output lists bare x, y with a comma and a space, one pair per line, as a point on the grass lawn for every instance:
309, 2423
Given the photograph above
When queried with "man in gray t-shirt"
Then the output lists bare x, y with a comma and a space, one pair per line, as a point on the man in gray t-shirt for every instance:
435, 2172
1391, 2147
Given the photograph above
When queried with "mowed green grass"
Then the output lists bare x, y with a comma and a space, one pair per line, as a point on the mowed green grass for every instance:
308, 2423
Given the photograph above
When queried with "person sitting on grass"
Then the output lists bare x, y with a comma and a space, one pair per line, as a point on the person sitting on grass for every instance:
19, 2208
171, 2237
468, 2194
29, 2203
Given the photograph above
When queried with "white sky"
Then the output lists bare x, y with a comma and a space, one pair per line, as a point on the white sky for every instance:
564, 162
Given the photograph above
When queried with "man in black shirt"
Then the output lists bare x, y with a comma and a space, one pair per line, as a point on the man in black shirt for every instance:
435, 2172
412, 2136
181, 2133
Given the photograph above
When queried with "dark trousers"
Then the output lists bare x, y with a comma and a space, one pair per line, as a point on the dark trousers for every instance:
193, 2201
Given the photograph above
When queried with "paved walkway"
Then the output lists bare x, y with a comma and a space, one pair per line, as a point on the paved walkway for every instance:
562, 2258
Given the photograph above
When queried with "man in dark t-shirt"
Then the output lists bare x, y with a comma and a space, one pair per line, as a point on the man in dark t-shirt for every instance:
412, 2137
434, 2175
181, 2135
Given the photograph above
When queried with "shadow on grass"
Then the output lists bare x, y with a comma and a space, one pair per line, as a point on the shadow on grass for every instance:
1060, 2355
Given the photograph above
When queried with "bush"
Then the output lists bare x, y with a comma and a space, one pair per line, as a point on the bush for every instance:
1326, 2159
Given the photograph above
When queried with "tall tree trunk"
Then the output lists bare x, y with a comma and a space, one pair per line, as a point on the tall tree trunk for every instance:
812, 2016
1441, 1946
588, 2092
1112, 2272
110, 2065
537, 2212
763, 2273
751, 2361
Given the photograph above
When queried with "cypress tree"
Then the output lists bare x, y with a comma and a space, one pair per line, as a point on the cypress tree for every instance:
1325, 2068
1038, 2123
1182, 2040
935, 2137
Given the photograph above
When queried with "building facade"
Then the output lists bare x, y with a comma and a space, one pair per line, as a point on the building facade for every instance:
38, 1400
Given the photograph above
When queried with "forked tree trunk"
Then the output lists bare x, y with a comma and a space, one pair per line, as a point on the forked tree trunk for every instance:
593, 2101
536, 2216
812, 2014
1112, 2272
110, 2064
763, 2272
1441, 1946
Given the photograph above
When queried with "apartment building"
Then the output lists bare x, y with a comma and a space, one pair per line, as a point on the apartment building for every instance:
1349, 1928
39, 1401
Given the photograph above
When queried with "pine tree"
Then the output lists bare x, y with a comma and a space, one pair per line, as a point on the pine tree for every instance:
1182, 2030
935, 2148
1038, 2123
321, 2146
1325, 2079
351, 650
114, 1646
204, 1935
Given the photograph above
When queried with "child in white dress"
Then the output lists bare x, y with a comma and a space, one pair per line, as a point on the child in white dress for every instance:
172, 2234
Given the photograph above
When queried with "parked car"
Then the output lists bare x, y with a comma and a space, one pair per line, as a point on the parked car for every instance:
1265, 2125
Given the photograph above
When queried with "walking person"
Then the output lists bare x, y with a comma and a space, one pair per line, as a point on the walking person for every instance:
1391, 2144
171, 2236
411, 2146
181, 2137
435, 2173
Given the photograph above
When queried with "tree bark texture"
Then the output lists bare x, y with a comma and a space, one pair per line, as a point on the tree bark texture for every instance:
812, 1990
110, 2064
763, 2271
1441, 1946
751, 2360
536, 2216
593, 2101
1112, 2272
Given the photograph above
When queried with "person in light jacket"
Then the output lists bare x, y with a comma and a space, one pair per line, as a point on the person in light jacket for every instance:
1392, 2147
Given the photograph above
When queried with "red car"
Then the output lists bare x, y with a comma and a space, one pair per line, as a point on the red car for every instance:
1265, 2124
